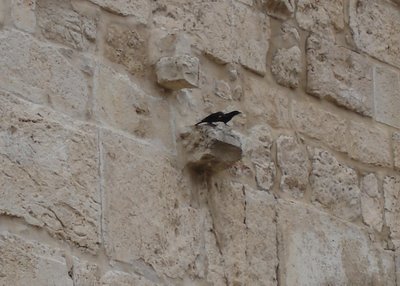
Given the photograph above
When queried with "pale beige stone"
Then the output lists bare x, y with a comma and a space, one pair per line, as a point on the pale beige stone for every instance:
339, 74
317, 249
84, 273
24, 262
178, 72
334, 186
371, 202
320, 124
286, 66
387, 96
368, 144
223, 90
50, 172
323, 17
396, 149
391, 191
375, 27
41, 74
139, 9
23, 14
119, 278
281, 9
294, 164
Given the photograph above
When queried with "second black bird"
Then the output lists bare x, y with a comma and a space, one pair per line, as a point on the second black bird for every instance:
219, 117
228, 116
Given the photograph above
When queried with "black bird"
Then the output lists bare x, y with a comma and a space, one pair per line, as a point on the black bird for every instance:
213, 117
225, 118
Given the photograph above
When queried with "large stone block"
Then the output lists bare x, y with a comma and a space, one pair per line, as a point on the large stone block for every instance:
339, 74
320, 124
391, 191
371, 202
375, 27
368, 144
146, 217
23, 14
40, 73
316, 249
387, 96
49, 169
24, 262
286, 66
139, 9
334, 186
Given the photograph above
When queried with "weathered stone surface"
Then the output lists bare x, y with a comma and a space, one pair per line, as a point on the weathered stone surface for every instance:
49, 170
41, 74
118, 278
322, 17
294, 165
281, 9
222, 90
396, 149
178, 72
145, 212
127, 45
387, 96
334, 186
375, 26
339, 74
320, 124
122, 104
58, 22
371, 202
23, 14
368, 144
317, 249
84, 273
391, 191
3, 9
286, 66
139, 9
25, 262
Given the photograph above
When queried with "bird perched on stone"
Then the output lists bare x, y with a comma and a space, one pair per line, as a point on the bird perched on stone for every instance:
210, 119
228, 116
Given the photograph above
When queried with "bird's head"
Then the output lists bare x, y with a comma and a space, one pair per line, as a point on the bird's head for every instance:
236, 112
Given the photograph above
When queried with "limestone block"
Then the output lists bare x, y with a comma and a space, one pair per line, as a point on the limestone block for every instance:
321, 17
178, 72
339, 74
387, 96
50, 172
210, 148
317, 249
146, 217
294, 165
84, 273
375, 27
281, 9
59, 22
23, 14
127, 45
320, 124
368, 144
40, 73
119, 278
120, 103
371, 202
391, 191
139, 9
334, 186
286, 66
396, 149
24, 262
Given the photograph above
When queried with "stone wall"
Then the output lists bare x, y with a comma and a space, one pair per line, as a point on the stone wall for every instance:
98, 99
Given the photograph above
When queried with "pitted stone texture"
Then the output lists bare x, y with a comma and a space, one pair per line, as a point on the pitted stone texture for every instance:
320, 124
49, 172
339, 74
84, 273
59, 22
4, 6
257, 150
391, 191
23, 14
281, 9
387, 96
286, 66
139, 9
334, 186
24, 262
120, 103
294, 164
118, 278
368, 144
317, 249
145, 212
396, 149
178, 72
321, 17
371, 202
127, 45
375, 26
40, 74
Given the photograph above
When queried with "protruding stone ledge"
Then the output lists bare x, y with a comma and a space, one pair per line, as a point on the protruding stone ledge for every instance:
211, 149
